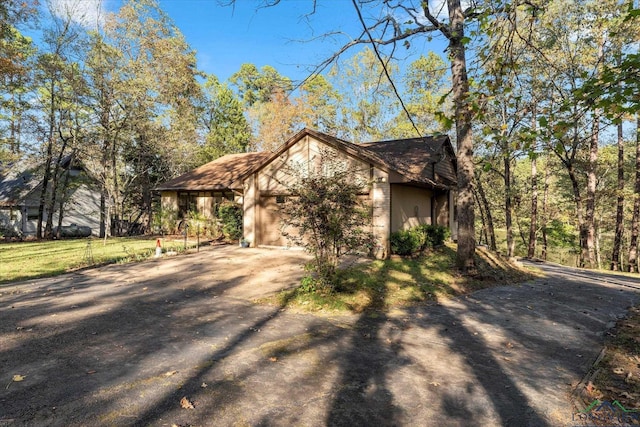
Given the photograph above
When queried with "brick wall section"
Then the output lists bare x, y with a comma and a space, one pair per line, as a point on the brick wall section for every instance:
381, 204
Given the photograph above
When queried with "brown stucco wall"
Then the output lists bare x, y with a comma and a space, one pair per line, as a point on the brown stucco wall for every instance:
169, 200
410, 206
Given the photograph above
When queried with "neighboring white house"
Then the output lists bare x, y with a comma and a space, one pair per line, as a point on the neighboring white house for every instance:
20, 190
411, 183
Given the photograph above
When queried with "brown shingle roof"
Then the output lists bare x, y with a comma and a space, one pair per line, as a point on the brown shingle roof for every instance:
219, 174
428, 160
415, 158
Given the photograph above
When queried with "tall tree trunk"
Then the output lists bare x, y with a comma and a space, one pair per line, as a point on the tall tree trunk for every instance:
591, 193
508, 206
47, 163
577, 198
633, 242
464, 139
484, 231
544, 219
617, 242
103, 214
534, 208
63, 197
55, 176
597, 244
487, 209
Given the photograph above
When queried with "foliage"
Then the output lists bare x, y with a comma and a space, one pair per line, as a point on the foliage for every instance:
406, 242
202, 225
416, 239
435, 235
367, 103
258, 86
227, 129
230, 215
325, 214
164, 221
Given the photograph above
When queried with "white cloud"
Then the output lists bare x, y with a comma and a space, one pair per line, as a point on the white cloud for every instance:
88, 13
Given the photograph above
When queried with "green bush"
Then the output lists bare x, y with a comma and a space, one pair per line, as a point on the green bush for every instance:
231, 218
435, 235
164, 221
406, 242
416, 239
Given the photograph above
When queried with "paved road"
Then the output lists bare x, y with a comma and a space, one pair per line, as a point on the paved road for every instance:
124, 344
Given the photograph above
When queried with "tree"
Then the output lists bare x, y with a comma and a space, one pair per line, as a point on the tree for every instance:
274, 121
255, 85
367, 104
15, 85
426, 87
14, 13
325, 213
227, 129
319, 104
144, 96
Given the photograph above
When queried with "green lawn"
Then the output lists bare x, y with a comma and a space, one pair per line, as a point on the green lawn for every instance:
383, 285
28, 260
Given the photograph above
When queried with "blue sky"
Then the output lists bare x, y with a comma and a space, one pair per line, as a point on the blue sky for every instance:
286, 36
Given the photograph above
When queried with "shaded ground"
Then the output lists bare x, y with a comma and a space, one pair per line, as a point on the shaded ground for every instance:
615, 377
122, 345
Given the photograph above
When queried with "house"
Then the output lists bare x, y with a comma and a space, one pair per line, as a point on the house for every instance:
411, 183
20, 190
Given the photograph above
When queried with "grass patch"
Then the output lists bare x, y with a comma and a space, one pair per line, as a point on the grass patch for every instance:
381, 285
30, 260
618, 372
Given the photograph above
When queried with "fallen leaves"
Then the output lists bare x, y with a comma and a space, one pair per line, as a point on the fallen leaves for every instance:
186, 403
15, 379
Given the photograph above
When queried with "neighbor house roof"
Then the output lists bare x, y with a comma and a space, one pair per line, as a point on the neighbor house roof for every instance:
219, 174
19, 179
16, 181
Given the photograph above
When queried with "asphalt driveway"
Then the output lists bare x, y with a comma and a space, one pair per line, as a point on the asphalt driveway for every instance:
123, 345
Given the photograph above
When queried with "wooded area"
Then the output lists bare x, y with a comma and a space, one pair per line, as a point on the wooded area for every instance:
543, 97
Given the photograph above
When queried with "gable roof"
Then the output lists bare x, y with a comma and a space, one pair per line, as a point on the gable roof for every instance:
219, 174
19, 179
418, 160
16, 181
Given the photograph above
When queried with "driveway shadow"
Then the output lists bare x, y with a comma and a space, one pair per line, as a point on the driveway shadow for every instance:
114, 348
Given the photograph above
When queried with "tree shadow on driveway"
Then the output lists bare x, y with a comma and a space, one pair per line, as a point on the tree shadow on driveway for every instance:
116, 349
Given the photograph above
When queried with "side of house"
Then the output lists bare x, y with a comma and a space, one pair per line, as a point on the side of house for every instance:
405, 182
20, 191
400, 196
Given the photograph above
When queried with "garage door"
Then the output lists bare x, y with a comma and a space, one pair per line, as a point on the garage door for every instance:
270, 225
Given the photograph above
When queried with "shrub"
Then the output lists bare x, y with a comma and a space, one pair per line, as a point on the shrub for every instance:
165, 221
406, 242
409, 242
231, 218
435, 235
326, 213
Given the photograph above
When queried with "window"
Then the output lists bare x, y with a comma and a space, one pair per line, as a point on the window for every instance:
187, 202
32, 214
